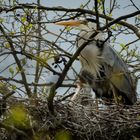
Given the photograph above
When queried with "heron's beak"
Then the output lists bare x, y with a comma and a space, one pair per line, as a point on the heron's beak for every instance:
68, 23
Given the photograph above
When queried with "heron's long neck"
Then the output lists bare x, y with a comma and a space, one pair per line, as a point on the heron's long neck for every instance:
90, 56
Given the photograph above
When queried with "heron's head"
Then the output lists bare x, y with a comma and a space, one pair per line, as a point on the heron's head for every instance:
83, 24
90, 56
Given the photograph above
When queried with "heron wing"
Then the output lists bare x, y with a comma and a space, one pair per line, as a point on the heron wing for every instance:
117, 72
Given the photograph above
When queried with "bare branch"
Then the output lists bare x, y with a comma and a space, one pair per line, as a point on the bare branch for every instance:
83, 11
17, 61
97, 14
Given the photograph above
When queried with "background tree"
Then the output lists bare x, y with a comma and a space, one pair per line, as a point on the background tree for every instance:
39, 64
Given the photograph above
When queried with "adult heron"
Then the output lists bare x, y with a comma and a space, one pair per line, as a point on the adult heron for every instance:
102, 68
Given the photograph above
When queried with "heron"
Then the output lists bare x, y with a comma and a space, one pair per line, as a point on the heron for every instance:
102, 67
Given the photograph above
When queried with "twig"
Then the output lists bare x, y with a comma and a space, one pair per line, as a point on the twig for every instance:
134, 5
83, 11
97, 14
17, 61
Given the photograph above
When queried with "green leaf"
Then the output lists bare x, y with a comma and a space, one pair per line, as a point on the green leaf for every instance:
22, 28
7, 45
2, 20
63, 135
17, 69
101, 7
24, 61
124, 47
14, 87
119, 25
4, 88
11, 70
100, 1
68, 28
81, 6
110, 15
12, 33
113, 27
23, 19
18, 117
30, 25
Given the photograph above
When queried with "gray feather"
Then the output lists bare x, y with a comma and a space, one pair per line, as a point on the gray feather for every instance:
115, 69
118, 73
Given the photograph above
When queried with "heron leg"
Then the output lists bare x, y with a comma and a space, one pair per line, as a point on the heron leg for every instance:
114, 91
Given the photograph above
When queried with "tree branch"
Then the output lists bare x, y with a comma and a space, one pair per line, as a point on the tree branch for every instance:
83, 11
97, 14
65, 70
130, 26
17, 61
37, 68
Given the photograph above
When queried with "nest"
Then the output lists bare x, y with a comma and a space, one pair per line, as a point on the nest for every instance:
81, 120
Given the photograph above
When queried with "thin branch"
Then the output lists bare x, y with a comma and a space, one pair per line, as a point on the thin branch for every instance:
79, 10
118, 20
37, 69
17, 61
134, 5
97, 14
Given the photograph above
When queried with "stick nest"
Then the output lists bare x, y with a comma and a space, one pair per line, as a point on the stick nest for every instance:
81, 120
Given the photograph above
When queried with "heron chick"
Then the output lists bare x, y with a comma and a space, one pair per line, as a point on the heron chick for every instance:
102, 68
